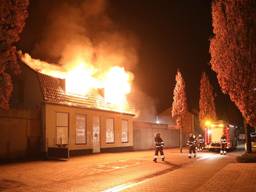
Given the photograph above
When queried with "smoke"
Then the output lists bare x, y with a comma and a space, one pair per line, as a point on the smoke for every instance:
82, 29
144, 105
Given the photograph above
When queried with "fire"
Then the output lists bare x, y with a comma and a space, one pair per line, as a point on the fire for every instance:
80, 80
83, 78
117, 86
43, 67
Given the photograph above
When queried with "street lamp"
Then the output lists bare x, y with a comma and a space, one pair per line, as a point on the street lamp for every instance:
207, 123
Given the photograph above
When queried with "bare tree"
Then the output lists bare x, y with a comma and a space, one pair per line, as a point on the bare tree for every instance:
12, 20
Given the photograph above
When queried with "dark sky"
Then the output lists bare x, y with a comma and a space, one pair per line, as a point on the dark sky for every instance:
171, 34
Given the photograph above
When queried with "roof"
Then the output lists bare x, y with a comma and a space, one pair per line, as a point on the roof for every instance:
53, 90
168, 112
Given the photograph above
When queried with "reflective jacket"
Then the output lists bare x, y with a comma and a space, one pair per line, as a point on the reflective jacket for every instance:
191, 141
159, 142
223, 140
200, 140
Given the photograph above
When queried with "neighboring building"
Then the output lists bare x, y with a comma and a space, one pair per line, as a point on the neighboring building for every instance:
145, 132
72, 125
190, 123
165, 118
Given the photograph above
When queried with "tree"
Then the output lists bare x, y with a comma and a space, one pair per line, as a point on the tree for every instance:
233, 53
12, 20
206, 102
179, 105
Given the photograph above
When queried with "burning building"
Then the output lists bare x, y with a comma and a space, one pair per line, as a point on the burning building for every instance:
79, 113
82, 96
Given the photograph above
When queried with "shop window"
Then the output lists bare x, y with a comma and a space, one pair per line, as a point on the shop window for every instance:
81, 129
110, 131
124, 131
62, 128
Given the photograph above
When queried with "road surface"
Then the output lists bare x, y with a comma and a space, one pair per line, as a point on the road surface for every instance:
129, 171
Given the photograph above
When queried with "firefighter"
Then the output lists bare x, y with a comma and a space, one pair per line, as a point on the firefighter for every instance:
159, 145
200, 141
191, 142
223, 143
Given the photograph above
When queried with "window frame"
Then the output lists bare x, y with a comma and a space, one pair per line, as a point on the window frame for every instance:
62, 126
85, 129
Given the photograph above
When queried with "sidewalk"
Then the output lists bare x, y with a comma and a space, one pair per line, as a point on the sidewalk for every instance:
235, 177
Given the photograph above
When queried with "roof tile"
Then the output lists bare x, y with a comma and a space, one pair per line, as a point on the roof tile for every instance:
53, 90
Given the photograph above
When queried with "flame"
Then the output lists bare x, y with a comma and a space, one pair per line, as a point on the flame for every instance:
81, 79
117, 85
43, 67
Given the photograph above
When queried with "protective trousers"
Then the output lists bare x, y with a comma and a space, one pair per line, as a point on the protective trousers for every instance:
192, 149
157, 150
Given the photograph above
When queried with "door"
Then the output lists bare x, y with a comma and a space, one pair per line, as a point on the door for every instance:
96, 134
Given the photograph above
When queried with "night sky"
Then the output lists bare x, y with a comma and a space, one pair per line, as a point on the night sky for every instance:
171, 34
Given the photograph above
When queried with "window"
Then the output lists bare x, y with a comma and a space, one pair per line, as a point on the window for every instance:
110, 131
124, 131
80, 129
62, 128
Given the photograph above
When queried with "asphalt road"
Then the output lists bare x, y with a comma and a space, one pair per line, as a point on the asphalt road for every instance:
129, 171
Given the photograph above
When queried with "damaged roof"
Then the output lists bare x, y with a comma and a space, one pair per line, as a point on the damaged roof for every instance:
53, 90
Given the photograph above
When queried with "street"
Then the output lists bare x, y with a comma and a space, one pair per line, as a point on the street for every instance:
129, 171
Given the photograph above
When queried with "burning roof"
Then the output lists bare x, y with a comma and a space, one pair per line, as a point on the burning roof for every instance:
78, 86
93, 55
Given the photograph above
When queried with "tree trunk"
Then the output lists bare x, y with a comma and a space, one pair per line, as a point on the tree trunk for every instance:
248, 138
181, 138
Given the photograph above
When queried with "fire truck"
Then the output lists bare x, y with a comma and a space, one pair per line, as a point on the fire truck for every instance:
215, 130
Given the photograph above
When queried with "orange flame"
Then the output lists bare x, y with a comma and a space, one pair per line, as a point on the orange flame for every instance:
117, 85
43, 67
81, 79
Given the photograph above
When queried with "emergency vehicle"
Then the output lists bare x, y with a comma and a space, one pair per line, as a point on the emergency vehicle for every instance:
215, 130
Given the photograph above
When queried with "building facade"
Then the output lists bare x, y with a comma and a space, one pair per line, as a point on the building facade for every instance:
70, 131
70, 124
